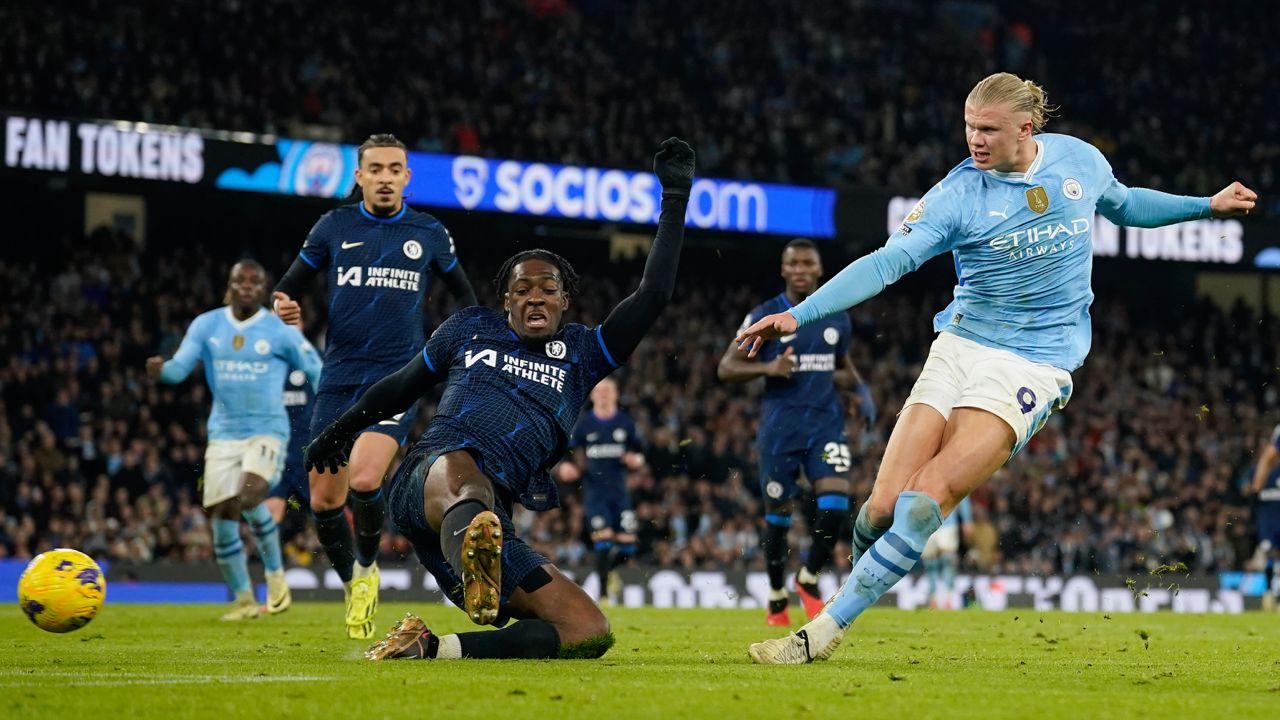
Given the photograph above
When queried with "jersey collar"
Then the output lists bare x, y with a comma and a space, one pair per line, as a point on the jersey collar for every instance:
242, 324
786, 300
404, 208
1025, 177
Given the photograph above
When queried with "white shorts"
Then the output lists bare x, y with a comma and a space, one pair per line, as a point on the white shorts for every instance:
226, 460
962, 373
945, 540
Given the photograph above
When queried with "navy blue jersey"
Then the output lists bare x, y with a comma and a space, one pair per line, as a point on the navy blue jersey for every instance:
604, 441
378, 270
808, 400
1270, 494
511, 405
297, 402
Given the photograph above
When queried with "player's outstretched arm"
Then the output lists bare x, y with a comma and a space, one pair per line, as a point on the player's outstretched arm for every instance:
392, 394
1146, 208
627, 324
177, 368
459, 286
1266, 460
736, 366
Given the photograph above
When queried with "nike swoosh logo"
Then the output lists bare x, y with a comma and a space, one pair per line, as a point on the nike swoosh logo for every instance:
804, 635
348, 246
787, 338
456, 534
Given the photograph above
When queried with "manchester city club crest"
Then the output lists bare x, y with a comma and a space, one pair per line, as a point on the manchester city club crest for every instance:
1072, 189
556, 349
1037, 200
237, 342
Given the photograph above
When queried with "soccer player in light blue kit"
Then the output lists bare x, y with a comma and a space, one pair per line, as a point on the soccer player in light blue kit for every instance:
1017, 217
941, 557
246, 352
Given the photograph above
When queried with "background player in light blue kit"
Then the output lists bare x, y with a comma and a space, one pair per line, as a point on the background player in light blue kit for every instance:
605, 445
801, 427
378, 257
1017, 217
941, 556
1266, 485
246, 352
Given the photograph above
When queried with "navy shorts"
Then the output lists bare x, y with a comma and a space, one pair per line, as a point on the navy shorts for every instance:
330, 403
294, 482
827, 455
1269, 523
405, 504
608, 509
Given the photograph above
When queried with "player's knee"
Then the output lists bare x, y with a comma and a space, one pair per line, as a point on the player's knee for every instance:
880, 508
366, 481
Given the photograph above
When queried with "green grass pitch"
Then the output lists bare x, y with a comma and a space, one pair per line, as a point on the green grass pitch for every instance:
141, 662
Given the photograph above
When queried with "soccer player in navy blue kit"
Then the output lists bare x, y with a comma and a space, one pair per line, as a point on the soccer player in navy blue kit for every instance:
294, 490
1266, 485
801, 427
377, 256
516, 380
605, 446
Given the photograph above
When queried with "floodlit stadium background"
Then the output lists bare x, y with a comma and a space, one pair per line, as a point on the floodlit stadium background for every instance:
145, 148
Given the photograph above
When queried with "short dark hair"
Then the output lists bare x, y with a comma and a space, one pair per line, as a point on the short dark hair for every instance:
249, 263
379, 140
804, 243
568, 276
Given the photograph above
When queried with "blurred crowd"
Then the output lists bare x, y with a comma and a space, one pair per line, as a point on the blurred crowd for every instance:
852, 92
1145, 467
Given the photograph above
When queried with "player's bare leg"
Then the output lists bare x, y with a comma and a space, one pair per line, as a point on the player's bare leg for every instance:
915, 440
975, 443
371, 454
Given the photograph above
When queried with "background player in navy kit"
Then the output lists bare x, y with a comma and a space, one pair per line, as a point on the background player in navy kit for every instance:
294, 490
1266, 485
801, 426
376, 255
516, 381
605, 445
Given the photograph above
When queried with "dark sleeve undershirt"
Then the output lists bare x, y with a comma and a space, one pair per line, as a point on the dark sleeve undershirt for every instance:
459, 286
296, 278
628, 323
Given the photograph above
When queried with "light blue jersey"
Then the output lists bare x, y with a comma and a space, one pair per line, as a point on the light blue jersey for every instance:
1022, 245
245, 363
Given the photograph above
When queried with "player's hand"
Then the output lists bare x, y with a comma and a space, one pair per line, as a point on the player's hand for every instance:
568, 472
783, 365
287, 308
674, 166
633, 460
154, 366
1232, 200
769, 327
327, 452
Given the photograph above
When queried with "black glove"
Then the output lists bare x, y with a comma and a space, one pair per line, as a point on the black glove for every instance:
674, 167
327, 452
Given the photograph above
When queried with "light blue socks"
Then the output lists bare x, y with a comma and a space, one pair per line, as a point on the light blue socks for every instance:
915, 517
229, 551
265, 536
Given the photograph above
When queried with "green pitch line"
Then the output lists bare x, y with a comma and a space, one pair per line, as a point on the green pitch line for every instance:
139, 662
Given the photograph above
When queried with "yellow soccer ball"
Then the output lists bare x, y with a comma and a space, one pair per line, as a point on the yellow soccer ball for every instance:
62, 590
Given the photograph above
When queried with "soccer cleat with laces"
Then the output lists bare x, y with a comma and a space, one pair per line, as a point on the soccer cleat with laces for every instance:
790, 650
278, 596
482, 568
408, 639
244, 608
362, 603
